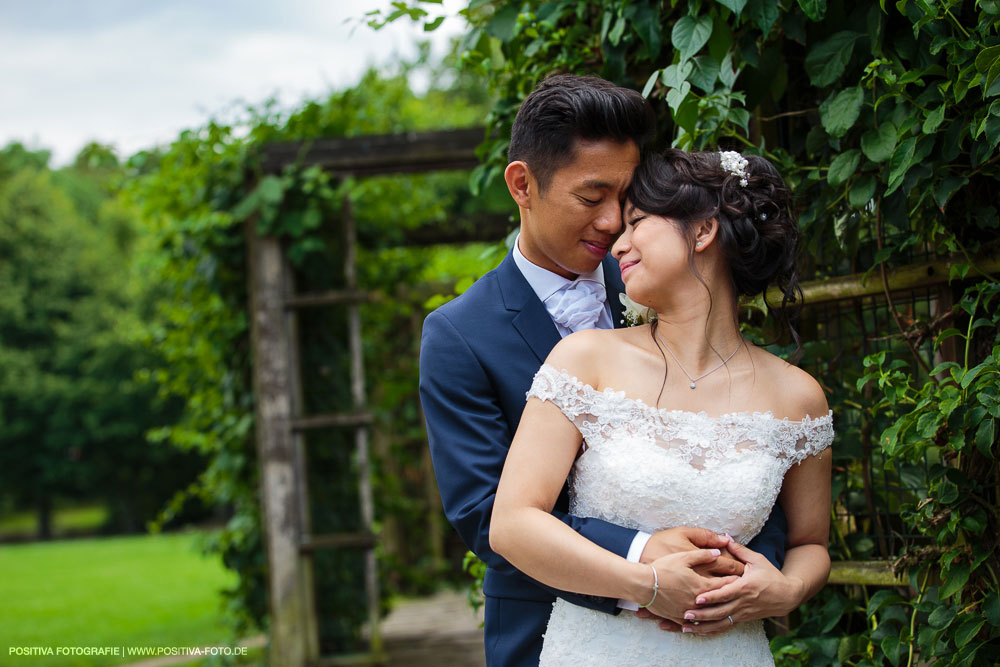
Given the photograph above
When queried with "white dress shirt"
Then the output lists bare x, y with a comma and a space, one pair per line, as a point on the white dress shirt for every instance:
545, 283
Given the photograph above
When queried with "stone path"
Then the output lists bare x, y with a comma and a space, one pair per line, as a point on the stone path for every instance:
434, 631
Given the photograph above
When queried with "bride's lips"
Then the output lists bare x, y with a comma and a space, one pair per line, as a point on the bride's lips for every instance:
597, 248
625, 266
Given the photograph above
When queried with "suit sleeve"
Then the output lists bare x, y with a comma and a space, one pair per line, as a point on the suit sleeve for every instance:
773, 537
469, 439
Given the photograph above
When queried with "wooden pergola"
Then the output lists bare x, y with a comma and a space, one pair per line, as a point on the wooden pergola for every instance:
280, 423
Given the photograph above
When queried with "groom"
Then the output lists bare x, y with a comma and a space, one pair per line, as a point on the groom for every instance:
574, 145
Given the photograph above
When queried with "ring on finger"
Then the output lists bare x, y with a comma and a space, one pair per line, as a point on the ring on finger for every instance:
731, 621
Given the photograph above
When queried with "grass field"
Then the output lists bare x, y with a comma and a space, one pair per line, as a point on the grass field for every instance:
152, 590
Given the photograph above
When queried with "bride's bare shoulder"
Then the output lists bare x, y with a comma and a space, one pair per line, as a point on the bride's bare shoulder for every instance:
587, 355
801, 394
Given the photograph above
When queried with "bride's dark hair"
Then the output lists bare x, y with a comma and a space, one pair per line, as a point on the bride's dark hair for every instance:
757, 233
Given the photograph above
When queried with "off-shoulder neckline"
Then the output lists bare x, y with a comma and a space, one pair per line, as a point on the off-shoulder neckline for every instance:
665, 412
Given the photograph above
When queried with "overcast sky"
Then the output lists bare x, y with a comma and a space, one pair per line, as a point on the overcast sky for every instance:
133, 73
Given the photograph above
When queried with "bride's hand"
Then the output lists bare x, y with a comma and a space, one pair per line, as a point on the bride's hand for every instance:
680, 582
688, 538
762, 592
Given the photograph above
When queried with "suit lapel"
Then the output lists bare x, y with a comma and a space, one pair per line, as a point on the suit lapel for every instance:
614, 286
531, 319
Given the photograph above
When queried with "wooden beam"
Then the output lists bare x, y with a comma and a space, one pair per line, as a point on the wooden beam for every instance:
332, 419
362, 540
869, 573
328, 298
410, 152
925, 274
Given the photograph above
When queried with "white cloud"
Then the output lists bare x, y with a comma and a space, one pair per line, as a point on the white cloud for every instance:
136, 78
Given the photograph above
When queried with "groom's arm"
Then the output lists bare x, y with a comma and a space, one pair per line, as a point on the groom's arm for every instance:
469, 439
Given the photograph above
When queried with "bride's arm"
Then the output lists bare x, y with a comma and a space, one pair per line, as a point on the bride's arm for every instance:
763, 591
523, 531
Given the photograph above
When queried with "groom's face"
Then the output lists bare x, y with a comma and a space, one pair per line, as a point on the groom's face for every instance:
572, 224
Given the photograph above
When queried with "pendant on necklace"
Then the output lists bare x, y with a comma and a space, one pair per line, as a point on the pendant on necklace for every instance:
692, 385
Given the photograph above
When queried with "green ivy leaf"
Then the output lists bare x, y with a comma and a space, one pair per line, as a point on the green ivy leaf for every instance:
503, 25
650, 82
705, 72
882, 598
941, 617
954, 578
616, 33
675, 96
826, 61
862, 191
984, 437
899, 163
933, 120
991, 609
891, 648
764, 13
814, 9
877, 144
736, 6
839, 113
968, 630
431, 26
690, 34
843, 167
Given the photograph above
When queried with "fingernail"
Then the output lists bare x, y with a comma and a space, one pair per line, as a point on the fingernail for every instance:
686, 629
689, 616
700, 600
716, 552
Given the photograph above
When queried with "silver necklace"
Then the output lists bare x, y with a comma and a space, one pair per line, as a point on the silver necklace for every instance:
694, 381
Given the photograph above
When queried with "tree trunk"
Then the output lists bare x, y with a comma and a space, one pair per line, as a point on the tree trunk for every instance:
44, 508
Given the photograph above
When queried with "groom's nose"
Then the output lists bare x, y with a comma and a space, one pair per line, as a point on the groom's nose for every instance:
609, 220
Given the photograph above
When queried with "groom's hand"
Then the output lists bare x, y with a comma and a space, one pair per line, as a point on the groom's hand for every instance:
687, 538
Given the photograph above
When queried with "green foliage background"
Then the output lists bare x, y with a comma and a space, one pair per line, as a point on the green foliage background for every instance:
196, 198
72, 413
885, 120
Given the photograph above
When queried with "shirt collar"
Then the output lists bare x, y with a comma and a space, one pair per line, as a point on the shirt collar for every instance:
545, 283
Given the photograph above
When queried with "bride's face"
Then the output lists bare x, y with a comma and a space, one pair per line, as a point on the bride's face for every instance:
653, 255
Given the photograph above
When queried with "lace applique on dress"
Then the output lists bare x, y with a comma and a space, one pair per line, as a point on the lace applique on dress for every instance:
651, 469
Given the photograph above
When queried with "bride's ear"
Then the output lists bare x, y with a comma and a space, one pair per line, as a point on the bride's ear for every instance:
705, 232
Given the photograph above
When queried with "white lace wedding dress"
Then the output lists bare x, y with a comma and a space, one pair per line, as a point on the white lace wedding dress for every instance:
651, 469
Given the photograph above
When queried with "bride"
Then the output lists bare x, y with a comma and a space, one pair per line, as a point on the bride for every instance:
677, 422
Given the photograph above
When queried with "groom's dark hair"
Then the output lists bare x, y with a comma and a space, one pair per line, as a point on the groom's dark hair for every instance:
564, 108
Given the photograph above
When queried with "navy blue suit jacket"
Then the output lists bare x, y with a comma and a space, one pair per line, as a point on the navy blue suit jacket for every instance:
479, 354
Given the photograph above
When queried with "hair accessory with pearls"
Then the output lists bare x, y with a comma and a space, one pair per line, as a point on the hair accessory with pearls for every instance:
735, 164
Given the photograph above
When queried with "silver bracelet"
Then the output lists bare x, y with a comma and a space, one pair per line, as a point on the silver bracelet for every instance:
656, 586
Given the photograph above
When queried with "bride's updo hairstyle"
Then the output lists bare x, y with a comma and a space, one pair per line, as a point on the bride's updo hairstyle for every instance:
757, 234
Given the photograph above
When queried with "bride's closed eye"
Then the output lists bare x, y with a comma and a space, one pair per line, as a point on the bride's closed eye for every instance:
636, 220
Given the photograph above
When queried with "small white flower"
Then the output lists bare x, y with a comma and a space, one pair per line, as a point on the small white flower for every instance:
735, 164
635, 314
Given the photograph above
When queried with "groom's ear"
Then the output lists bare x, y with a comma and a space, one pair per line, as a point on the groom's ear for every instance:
520, 183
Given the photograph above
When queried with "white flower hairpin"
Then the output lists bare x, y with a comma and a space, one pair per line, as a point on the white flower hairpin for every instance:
735, 164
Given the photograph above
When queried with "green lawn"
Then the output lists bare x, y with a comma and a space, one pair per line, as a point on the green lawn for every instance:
152, 590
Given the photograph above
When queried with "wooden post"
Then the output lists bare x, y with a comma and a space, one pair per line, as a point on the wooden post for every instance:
272, 376
361, 433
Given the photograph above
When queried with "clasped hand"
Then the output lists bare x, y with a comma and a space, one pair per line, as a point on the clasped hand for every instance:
761, 592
